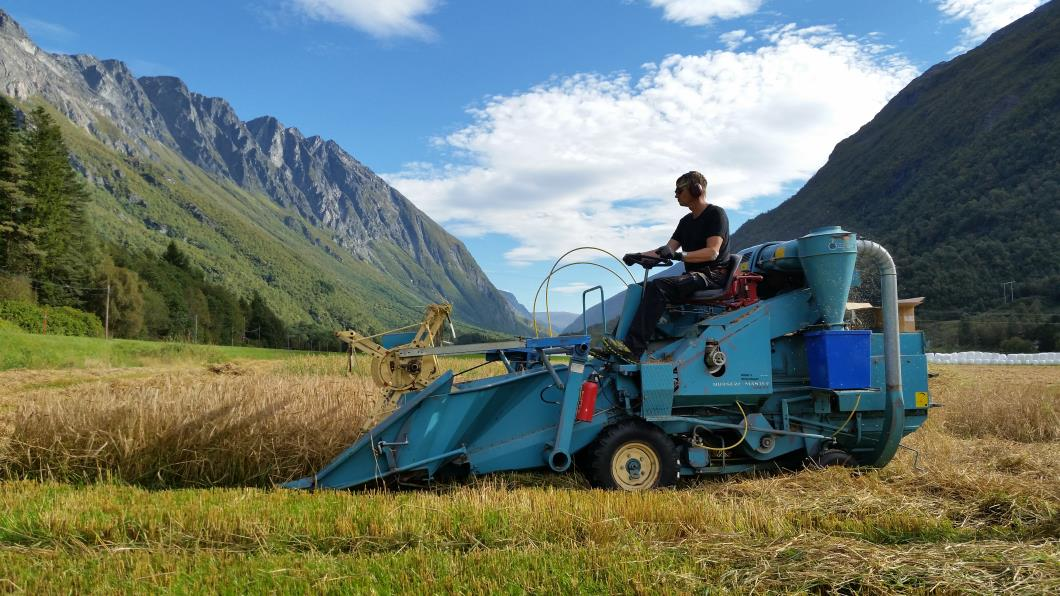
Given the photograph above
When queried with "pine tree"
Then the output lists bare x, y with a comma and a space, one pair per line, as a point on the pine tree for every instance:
66, 254
176, 257
269, 329
15, 237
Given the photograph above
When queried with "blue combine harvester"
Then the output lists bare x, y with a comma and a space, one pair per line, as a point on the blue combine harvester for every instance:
760, 374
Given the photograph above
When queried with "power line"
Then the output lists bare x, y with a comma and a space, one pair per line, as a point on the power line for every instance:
1014, 317
994, 322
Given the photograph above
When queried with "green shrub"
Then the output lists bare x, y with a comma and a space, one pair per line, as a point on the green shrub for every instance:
24, 314
1017, 345
62, 320
16, 287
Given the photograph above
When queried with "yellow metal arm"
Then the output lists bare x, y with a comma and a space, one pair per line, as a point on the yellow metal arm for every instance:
360, 342
392, 372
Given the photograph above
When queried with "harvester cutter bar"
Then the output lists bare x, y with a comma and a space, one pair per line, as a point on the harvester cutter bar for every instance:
531, 343
464, 349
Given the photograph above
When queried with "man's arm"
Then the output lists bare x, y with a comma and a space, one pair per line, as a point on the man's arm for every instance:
706, 254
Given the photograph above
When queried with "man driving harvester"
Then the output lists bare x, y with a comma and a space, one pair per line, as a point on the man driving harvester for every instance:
703, 234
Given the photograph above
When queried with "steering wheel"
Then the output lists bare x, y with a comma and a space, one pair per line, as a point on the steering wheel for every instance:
635, 258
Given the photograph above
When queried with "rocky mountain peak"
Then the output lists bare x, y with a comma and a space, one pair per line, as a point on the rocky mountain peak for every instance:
165, 83
9, 27
111, 79
263, 123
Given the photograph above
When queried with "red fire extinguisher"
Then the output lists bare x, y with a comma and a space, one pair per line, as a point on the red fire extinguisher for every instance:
587, 401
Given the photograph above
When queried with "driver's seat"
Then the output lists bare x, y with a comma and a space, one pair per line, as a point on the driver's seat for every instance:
726, 288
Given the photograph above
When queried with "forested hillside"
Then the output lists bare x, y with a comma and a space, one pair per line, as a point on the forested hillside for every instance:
959, 177
50, 256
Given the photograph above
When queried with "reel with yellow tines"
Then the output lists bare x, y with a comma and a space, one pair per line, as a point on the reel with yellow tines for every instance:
392, 372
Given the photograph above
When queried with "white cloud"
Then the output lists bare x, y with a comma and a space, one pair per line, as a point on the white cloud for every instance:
381, 18
702, 12
985, 16
38, 28
735, 39
591, 159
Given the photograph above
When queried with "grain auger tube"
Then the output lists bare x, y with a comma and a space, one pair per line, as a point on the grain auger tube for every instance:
759, 374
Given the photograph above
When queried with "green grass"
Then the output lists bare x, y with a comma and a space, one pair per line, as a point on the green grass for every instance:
33, 351
497, 534
562, 570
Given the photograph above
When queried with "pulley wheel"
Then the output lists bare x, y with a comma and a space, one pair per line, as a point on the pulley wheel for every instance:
834, 457
392, 372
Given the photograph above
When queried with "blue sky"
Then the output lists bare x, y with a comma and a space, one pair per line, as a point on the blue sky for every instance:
531, 127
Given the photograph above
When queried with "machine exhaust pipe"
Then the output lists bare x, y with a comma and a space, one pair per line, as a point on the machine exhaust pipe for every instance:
894, 415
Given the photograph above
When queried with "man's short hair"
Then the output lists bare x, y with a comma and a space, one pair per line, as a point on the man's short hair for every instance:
690, 178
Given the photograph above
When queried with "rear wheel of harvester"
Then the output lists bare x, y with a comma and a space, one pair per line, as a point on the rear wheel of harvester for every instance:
633, 455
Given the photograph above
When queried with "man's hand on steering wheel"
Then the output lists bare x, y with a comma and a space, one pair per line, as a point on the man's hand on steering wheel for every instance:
664, 256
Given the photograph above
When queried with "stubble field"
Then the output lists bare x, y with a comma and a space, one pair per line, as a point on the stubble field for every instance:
162, 477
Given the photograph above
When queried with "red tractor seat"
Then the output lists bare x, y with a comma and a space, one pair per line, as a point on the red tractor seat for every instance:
738, 289
722, 291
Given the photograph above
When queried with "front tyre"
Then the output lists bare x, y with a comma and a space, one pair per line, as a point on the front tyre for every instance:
633, 455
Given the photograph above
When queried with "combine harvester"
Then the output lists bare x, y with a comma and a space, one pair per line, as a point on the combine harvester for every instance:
760, 374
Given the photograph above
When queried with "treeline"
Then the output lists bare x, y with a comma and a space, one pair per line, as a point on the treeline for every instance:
1024, 326
51, 257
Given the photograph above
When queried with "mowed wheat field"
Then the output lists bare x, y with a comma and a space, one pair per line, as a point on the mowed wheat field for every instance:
162, 476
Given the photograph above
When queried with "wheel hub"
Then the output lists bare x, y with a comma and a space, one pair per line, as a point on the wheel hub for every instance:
635, 466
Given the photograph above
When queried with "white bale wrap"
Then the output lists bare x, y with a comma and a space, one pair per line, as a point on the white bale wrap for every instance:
993, 358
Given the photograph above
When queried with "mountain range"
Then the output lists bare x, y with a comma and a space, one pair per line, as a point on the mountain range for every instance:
256, 204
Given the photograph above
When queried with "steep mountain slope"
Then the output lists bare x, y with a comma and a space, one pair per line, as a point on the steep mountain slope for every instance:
268, 194
560, 319
518, 306
959, 175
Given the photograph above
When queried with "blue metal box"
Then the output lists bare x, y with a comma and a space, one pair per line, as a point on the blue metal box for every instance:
393, 340
839, 359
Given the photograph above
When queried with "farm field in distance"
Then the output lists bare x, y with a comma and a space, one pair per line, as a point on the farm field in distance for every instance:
161, 477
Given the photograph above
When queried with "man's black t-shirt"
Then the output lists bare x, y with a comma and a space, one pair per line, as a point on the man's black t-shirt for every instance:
692, 233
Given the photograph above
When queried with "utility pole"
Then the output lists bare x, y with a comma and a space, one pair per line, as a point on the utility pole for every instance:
1008, 291
106, 314
195, 333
